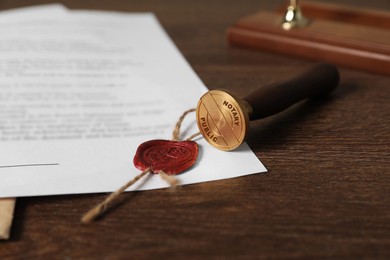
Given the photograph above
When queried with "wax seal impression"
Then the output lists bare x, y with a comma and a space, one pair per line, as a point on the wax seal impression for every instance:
221, 119
170, 157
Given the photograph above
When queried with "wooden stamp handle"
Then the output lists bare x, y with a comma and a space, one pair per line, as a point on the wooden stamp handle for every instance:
268, 100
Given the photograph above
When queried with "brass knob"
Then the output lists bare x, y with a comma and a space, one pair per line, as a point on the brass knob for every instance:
293, 16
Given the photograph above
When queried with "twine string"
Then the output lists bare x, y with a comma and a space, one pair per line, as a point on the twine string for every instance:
103, 206
193, 136
176, 130
171, 180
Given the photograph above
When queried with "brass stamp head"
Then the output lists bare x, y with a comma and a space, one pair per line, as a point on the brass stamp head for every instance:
222, 119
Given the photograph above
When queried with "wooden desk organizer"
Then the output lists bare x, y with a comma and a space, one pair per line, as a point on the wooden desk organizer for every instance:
352, 37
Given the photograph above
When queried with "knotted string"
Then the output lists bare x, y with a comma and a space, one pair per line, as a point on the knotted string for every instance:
103, 206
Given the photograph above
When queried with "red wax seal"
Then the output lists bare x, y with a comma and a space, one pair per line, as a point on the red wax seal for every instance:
171, 157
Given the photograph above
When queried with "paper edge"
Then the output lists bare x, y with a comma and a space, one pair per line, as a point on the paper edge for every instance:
7, 206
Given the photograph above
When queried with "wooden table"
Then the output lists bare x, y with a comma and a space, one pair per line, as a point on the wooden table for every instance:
326, 194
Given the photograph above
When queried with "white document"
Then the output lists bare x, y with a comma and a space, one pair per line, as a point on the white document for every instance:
80, 90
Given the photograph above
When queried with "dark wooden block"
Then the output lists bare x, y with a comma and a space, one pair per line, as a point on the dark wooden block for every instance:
336, 34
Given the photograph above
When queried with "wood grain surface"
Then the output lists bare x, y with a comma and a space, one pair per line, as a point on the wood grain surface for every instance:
326, 195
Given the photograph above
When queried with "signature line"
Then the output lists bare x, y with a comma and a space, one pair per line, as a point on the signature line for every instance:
29, 165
